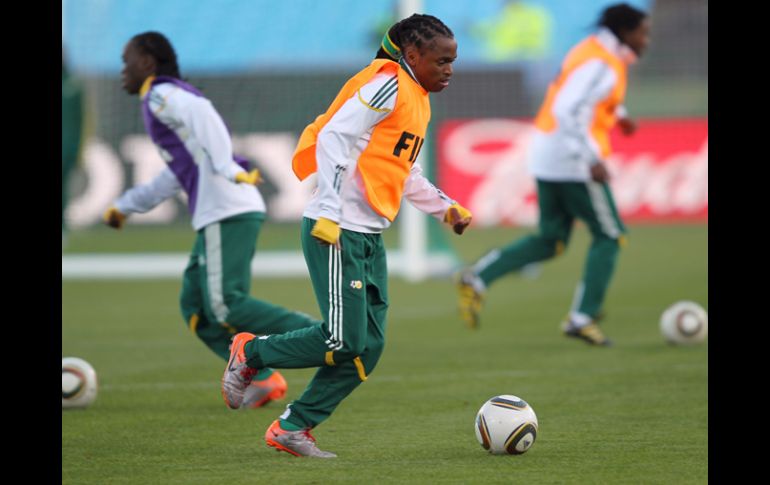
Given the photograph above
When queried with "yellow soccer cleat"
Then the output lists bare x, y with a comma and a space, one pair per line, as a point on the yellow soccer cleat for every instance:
469, 300
590, 333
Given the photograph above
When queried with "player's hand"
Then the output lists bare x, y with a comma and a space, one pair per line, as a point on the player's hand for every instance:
627, 126
114, 218
251, 178
326, 230
599, 173
458, 217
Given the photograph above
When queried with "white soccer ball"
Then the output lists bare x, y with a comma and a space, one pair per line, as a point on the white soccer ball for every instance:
685, 323
78, 383
506, 424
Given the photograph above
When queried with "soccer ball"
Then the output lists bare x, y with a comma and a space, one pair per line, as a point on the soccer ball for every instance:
506, 425
78, 383
684, 322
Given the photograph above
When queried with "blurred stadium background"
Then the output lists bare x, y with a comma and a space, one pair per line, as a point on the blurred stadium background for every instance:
272, 67
634, 413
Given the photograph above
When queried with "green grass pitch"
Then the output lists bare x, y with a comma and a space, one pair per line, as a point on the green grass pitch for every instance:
634, 413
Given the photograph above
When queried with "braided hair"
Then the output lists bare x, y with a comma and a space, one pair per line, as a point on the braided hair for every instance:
418, 30
620, 18
158, 46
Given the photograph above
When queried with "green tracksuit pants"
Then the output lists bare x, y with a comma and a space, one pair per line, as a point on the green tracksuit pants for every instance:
215, 299
350, 284
560, 204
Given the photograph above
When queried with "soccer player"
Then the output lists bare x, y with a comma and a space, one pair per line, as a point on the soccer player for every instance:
364, 150
227, 208
567, 157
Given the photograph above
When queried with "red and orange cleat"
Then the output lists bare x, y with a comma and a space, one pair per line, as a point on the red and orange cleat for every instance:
262, 392
298, 443
238, 375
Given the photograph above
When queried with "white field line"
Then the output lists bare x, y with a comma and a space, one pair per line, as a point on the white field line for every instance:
171, 265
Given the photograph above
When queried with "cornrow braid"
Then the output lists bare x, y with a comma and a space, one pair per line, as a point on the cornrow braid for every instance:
158, 46
418, 30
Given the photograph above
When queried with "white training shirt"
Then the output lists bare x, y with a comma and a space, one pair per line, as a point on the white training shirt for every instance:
340, 195
567, 153
207, 140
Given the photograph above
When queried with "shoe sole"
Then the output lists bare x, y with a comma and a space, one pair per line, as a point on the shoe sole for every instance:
274, 444
280, 447
606, 343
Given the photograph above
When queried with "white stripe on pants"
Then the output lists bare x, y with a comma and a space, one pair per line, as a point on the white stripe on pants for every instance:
602, 209
335, 298
214, 271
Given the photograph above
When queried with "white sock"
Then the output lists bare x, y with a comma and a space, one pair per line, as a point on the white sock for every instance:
474, 280
579, 319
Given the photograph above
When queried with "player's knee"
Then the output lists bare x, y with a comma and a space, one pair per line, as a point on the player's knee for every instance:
369, 359
350, 349
187, 310
365, 361
609, 244
372, 354
192, 321
554, 246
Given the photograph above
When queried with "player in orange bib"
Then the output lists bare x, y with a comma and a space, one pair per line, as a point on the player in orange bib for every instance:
364, 152
566, 156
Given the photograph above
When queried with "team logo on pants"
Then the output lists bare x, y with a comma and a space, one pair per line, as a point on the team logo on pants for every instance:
356, 284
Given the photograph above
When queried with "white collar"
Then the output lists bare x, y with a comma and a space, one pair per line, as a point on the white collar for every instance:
409, 71
615, 46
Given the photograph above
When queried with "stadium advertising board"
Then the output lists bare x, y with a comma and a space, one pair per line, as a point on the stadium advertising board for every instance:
660, 174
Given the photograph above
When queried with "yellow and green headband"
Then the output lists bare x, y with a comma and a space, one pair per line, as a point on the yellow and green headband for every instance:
391, 48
